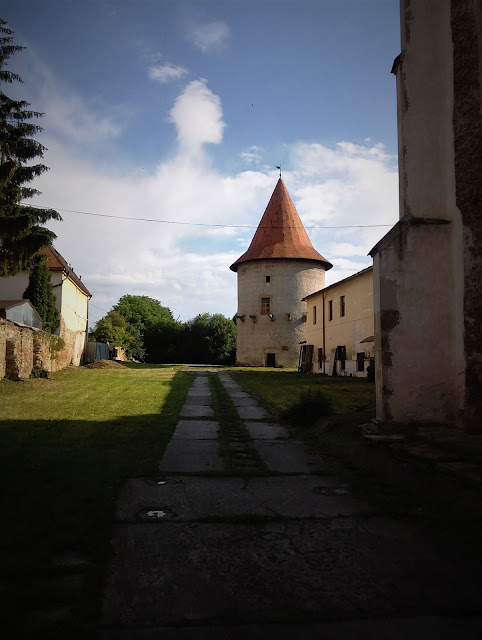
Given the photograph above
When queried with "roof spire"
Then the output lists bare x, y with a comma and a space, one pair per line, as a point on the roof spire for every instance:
280, 233
279, 171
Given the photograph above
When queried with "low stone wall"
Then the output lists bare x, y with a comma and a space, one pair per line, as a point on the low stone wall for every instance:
24, 348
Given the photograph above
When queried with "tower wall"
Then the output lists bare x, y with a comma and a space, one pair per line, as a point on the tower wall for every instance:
290, 281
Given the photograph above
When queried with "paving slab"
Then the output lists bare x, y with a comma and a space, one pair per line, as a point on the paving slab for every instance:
245, 402
196, 411
191, 456
252, 413
197, 498
196, 430
202, 573
266, 431
203, 399
194, 393
416, 628
238, 394
287, 456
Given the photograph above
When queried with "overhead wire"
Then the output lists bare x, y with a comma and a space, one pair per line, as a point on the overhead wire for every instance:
206, 224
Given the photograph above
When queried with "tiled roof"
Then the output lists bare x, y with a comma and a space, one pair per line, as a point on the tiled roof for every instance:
280, 233
55, 262
8, 304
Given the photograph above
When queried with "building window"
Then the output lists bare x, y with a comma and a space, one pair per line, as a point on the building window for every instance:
342, 306
360, 361
265, 306
314, 314
330, 310
268, 279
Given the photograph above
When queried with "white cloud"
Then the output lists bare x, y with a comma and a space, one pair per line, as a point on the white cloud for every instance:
198, 116
166, 72
252, 155
69, 115
209, 36
184, 266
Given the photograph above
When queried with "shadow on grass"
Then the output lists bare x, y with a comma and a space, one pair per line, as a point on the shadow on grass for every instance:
60, 480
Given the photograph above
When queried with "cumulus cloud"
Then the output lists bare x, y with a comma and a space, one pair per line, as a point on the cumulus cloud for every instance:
166, 72
69, 115
252, 155
209, 37
198, 116
186, 266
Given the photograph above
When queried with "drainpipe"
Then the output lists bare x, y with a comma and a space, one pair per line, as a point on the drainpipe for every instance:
324, 352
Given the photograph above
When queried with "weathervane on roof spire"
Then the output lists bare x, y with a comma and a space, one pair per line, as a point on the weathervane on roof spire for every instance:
279, 171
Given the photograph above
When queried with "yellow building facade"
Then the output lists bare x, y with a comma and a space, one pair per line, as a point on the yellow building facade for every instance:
340, 327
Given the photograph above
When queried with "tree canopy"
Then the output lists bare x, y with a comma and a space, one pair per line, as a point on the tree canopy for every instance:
22, 231
127, 322
148, 331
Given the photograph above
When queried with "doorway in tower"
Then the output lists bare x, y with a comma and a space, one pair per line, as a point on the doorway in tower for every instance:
270, 359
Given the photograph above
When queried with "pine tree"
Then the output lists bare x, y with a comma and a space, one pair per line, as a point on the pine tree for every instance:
22, 234
41, 294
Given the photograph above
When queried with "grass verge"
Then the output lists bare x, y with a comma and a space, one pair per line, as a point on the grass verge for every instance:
233, 435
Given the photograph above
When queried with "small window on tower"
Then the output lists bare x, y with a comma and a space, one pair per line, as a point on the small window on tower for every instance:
342, 306
314, 314
268, 279
330, 309
265, 306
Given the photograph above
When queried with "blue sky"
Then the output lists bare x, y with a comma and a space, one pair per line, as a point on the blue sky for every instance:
180, 111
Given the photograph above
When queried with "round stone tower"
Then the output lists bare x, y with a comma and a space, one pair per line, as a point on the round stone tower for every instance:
279, 269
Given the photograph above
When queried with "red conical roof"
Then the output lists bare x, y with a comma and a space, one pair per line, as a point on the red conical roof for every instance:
280, 233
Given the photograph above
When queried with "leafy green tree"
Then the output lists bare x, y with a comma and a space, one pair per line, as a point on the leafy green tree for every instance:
165, 342
211, 339
149, 320
142, 312
114, 328
22, 234
41, 294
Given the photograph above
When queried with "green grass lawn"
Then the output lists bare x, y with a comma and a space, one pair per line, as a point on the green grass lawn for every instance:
66, 445
353, 401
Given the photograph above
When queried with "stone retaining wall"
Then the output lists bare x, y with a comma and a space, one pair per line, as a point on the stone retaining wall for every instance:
23, 348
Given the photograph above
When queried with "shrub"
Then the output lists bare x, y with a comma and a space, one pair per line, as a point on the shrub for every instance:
39, 372
310, 406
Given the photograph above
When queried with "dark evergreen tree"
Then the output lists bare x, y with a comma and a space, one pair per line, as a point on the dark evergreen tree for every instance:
41, 294
22, 231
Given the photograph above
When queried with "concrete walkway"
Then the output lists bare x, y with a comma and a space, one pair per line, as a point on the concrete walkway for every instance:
200, 554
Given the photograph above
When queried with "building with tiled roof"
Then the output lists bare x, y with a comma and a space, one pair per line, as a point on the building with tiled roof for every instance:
280, 267
71, 299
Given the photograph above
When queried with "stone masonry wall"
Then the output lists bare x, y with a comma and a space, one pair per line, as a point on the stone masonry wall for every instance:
23, 348
290, 281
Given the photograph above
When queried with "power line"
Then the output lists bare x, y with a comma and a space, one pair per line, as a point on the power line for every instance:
205, 224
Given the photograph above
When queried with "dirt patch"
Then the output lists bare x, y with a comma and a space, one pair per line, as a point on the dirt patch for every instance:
105, 364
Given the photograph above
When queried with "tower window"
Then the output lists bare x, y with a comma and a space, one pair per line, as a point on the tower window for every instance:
314, 314
342, 306
330, 309
265, 306
268, 279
